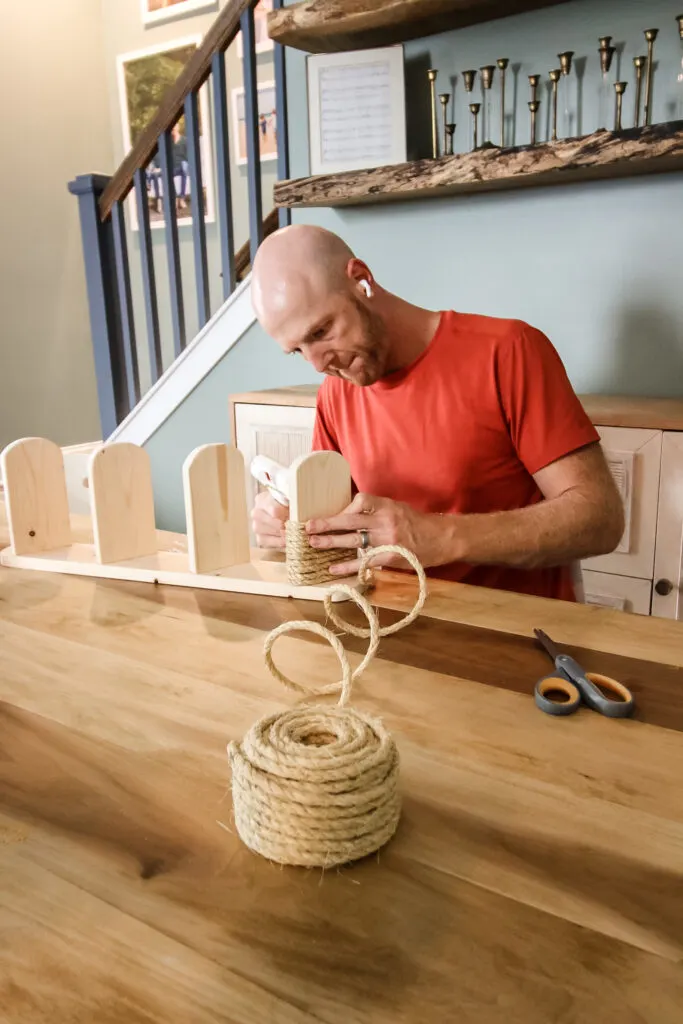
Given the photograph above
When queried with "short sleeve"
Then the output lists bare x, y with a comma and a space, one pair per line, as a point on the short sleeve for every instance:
545, 418
324, 439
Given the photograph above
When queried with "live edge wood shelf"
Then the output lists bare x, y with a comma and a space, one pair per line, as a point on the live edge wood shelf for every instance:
326, 26
637, 151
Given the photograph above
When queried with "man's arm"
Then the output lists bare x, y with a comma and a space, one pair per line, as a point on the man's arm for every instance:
581, 516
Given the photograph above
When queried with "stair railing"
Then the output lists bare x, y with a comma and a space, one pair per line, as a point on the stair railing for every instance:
103, 223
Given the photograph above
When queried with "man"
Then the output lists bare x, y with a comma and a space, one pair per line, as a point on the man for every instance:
465, 439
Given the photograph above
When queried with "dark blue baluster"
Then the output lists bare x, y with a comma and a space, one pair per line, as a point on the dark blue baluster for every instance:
103, 303
130, 351
149, 286
252, 130
172, 244
284, 213
197, 193
225, 223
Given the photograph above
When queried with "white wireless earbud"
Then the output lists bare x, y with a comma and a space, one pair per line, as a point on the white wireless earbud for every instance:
365, 285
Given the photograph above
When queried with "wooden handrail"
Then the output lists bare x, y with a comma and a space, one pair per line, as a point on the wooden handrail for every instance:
192, 77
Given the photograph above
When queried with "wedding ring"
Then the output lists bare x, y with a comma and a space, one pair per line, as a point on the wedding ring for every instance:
364, 539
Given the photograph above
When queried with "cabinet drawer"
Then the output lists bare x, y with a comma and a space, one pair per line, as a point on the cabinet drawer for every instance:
634, 457
625, 593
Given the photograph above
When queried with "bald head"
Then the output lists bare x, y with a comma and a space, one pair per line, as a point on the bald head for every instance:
297, 267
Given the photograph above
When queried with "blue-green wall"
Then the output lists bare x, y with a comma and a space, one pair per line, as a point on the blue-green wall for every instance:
596, 266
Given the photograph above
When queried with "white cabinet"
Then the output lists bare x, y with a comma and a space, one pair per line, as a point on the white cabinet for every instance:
667, 595
643, 575
634, 457
622, 592
282, 432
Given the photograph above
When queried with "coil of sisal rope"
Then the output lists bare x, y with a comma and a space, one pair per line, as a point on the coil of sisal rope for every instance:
317, 786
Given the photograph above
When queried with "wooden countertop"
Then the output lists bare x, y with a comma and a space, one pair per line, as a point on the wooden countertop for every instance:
604, 410
535, 877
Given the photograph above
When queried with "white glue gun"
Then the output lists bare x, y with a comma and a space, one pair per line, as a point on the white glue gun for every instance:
273, 476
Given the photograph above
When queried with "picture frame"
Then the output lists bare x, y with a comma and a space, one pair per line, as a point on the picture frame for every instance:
264, 44
339, 86
143, 76
155, 12
267, 112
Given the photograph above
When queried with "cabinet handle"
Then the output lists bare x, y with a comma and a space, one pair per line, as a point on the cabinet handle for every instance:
664, 587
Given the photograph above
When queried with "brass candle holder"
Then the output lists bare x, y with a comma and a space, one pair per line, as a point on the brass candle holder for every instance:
650, 35
502, 63
534, 106
533, 83
555, 78
620, 89
431, 75
639, 63
487, 75
444, 98
469, 79
679, 19
474, 110
565, 60
450, 132
606, 57
606, 54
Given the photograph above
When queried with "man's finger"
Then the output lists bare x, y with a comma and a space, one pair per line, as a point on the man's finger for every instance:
336, 540
270, 541
345, 522
345, 568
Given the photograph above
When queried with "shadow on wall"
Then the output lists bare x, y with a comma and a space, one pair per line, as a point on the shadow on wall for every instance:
648, 349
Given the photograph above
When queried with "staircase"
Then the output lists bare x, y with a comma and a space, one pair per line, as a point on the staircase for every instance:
119, 325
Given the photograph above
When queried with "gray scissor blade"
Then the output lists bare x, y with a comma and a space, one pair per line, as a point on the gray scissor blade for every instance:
547, 643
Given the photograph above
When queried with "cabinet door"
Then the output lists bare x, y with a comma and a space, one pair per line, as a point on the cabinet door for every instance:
667, 595
282, 432
634, 457
621, 592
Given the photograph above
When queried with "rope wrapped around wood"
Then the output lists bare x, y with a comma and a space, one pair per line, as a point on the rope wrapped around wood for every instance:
317, 786
307, 566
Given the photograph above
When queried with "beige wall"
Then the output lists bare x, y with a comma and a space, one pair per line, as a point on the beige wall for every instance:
55, 124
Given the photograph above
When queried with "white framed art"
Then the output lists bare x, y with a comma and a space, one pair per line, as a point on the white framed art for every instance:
156, 11
356, 109
267, 116
143, 77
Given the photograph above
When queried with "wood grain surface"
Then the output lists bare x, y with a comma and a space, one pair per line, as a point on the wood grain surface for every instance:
324, 26
535, 877
649, 150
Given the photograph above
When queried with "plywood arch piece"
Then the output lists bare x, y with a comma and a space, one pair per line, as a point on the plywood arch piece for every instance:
120, 478
37, 501
320, 485
216, 508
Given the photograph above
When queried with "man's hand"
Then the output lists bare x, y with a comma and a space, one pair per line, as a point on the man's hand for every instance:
387, 522
268, 520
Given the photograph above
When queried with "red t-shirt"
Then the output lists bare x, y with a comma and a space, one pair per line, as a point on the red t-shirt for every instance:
462, 430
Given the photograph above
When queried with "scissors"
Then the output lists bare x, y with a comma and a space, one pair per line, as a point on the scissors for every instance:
578, 686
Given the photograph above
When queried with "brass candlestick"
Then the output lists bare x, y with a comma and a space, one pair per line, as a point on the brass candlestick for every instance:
444, 97
679, 19
533, 107
650, 35
604, 42
533, 83
620, 89
502, 63
470, 78
639, 63
450, 132
565, 60
554, 78
487, 74
606, 54
431, 75
474, 110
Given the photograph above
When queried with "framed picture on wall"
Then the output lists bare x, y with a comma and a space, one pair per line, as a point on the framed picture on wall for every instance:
143, 78
263, 41
356, 109
156, 11
267, 118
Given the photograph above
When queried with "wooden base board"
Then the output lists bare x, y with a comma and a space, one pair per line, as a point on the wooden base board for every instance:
171, 568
